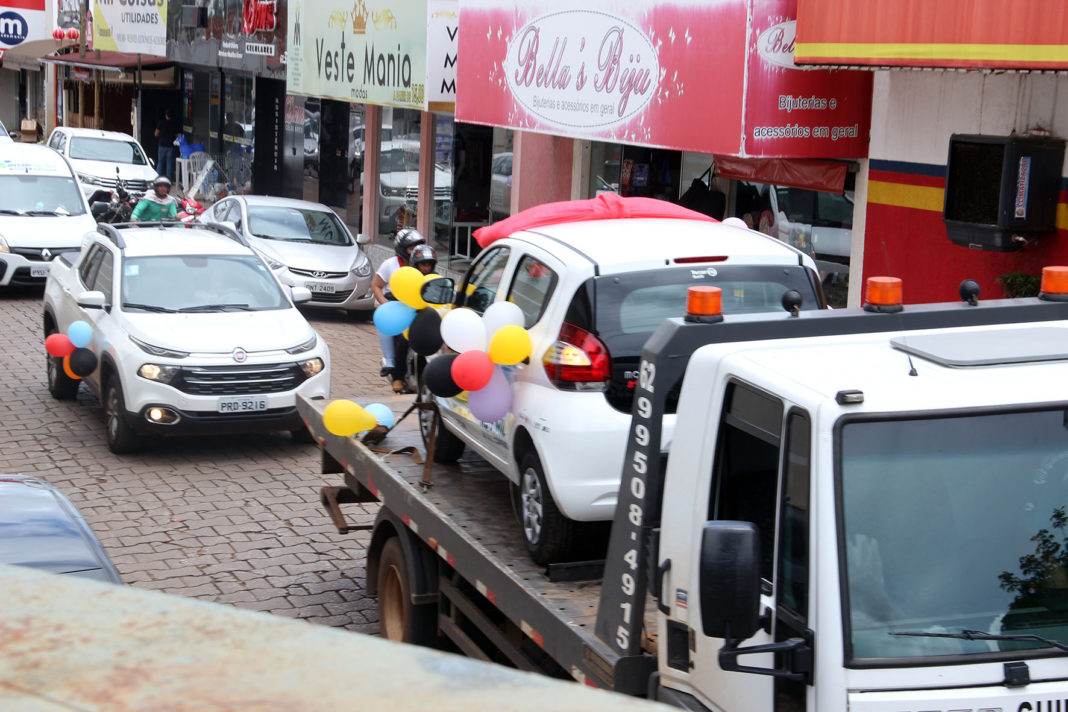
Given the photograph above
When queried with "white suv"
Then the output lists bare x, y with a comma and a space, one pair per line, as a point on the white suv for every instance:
103, 158
192, 331
592, 293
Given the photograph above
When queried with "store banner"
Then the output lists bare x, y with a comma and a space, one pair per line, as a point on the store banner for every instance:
24, 21
135, 27
443, 29
714, 76
367, 51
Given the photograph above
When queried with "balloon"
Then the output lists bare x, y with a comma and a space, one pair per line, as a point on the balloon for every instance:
510, 345
472, 370
502, 314
462, 330
382, 414
494, 401
405, 285
80, 333
425, 333
345, 418
393, 318
438, 376
66, 369
82, 362
59, 345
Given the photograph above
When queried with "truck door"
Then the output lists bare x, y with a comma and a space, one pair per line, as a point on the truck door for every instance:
101, 278
760, 474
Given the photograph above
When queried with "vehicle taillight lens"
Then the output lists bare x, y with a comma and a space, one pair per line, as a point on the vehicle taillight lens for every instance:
578, 360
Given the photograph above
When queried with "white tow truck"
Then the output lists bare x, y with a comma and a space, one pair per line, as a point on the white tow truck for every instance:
861, 510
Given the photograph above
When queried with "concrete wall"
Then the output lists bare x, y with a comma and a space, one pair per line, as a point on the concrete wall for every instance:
541, 169
913, 115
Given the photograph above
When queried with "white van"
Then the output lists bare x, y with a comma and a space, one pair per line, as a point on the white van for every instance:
43, 212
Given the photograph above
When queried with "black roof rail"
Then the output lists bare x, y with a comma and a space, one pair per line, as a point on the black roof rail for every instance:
112, 234
177, 224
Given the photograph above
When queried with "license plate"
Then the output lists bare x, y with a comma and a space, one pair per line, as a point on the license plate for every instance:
40, 270
320, 287
242, 405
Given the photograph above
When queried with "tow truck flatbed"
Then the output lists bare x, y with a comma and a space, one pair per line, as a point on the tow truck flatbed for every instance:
466, 518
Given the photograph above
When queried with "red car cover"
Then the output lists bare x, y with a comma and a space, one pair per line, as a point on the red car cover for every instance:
606, 206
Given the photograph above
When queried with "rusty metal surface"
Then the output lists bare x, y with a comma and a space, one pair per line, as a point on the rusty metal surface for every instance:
70, 644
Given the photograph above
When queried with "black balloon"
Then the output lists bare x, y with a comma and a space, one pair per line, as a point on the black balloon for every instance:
424, 335
83, 362
438, 376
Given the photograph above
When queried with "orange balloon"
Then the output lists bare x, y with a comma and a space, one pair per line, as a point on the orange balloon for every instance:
66, 369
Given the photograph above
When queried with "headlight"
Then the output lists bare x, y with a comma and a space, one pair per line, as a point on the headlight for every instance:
306, 346
156, 372
158, 350
89, 180
312, 366
3, 245
362, 266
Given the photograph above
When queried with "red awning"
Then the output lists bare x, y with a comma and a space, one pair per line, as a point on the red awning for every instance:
606, 206
107, 61
809, 173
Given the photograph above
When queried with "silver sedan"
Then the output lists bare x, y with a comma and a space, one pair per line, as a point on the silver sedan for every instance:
305, 245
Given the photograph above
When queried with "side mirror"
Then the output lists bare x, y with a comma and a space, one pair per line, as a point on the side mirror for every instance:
363, 239
300, 295
152, 162
730, 580
92, 300
438, 291
231, 225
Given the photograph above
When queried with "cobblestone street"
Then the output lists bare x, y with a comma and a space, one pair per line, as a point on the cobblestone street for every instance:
230, 519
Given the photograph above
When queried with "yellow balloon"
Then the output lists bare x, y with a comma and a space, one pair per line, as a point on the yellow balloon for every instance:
510, 345
405, 335
346, 418
405, 285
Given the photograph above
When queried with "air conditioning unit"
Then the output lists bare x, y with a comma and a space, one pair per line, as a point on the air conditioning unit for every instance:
1001, 191
194, 16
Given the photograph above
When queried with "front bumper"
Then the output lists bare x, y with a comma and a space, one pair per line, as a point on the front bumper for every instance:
212, 423
17, 271
351, 293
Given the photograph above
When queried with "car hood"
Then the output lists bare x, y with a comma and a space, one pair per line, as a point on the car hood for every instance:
103, 169
221, 332
44, 231
325, 258
40, 528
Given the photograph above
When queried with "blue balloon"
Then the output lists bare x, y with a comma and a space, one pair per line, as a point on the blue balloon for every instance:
392, 318
80, 334
382, 414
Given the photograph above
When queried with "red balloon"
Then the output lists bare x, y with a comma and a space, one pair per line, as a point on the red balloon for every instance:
59, 345
472, 370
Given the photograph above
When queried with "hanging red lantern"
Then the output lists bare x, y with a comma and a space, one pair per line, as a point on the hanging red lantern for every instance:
73, 33
58, 34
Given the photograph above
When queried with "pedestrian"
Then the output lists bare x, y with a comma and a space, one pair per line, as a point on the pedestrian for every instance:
166, 131
405, 241
157, 205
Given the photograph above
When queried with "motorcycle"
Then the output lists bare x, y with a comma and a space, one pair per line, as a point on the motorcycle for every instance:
112, 206
189, 210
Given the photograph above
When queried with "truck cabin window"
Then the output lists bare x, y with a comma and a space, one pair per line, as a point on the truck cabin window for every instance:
951, 524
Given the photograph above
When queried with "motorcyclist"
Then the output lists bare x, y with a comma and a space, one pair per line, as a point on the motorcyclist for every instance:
157, 205
406, 240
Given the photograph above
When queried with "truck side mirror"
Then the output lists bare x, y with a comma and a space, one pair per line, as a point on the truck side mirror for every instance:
438, 291
730, 580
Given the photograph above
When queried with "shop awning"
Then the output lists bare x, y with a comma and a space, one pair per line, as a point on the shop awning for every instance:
808, 173
107, 61
28, 54
1001, 34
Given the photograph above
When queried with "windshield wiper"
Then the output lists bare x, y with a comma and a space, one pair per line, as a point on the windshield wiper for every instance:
148, 308
980, 635
216, 307
51, 213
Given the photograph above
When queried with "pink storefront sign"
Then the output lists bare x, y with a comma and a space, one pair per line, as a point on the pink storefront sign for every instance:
688, 74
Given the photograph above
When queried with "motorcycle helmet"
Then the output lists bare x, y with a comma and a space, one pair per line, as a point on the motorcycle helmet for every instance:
406, 239
161, 180
423, 254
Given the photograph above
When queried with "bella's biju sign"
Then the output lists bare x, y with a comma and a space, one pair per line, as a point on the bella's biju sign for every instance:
687, 75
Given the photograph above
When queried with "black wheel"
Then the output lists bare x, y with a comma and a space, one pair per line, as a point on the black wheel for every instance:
121, 437
447, 447
60, 385
302, 435
399, 619
548, 534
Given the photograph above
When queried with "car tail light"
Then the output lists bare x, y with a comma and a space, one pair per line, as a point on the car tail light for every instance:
577, 361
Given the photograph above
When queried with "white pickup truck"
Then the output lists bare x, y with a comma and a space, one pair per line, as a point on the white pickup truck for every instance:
192, 332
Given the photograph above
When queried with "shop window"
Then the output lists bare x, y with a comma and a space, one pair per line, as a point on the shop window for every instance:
398, 171
237, 133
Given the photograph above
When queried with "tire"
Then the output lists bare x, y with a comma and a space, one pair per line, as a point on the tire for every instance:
302, 435
121, 438
398, 619
548, 535
60, 385
448, 448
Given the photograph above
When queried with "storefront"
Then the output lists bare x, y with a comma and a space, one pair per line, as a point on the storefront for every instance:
959, 184
25, 85
699, 104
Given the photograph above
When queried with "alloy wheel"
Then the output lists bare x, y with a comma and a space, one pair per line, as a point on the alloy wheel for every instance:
111, 411
531, 498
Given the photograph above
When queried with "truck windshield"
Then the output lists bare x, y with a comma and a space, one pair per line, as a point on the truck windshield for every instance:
951, 524
106, 149
38, 195
194, 283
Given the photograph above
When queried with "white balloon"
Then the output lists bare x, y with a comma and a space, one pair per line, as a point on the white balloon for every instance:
462, 330
502, 314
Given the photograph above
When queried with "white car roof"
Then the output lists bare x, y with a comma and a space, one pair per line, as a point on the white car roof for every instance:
272, 201
97, 133
621, 245
155, 242
31, 158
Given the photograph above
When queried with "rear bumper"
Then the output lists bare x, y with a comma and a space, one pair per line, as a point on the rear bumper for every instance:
192, 422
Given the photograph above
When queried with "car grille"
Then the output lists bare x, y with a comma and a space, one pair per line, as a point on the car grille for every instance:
34, 253
134, 186
315, 274
443, 193
239, 380
335, 298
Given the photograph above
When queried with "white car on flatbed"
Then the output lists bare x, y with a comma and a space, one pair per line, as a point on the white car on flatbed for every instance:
42, 213
192, 331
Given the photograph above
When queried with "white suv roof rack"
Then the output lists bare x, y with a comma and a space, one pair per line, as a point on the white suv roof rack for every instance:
112, 230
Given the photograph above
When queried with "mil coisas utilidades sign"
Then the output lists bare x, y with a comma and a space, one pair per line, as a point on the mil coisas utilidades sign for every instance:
134, 27
363, 51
